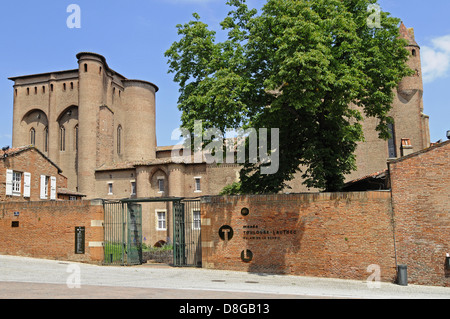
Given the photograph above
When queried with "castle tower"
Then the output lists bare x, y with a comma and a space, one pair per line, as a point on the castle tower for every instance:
411, 122
140, 121
91, 94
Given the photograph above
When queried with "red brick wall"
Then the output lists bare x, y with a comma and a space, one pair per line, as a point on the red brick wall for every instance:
322, 234
421, 201
47, 229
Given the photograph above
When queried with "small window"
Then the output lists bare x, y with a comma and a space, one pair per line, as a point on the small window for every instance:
71, 85
43, 89
51, 87
133, 188
160, 185
47, 180
72, 198
197, 184
35, 90
32, 136
110, 188
17, 183
15, 91
28, 91
85, 67
414, 52
64, 86
196, 219
161, 222
100, 70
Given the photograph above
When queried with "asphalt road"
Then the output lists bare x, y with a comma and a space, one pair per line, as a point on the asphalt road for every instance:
29, 278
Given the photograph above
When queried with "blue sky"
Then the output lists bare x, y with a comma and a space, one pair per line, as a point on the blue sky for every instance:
133, 36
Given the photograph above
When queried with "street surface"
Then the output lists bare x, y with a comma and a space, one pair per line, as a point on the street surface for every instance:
29, 278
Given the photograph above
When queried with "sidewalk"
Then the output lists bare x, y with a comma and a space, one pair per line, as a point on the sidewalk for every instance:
37, 278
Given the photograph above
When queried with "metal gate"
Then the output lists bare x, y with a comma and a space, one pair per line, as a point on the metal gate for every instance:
123, 233
187, 248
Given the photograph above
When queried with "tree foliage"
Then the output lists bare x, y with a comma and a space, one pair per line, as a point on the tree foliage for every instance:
312, 68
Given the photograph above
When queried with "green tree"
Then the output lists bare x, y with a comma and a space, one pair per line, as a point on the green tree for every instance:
312, 68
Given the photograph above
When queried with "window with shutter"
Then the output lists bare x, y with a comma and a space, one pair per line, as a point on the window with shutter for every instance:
53, 188
27, 185
9, 182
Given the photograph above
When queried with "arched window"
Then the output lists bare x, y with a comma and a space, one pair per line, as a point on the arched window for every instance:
119, 139
32, 136
85, 67
62, 136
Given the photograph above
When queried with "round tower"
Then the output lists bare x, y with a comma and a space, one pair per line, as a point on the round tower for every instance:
411, 85
91, 89
140, 132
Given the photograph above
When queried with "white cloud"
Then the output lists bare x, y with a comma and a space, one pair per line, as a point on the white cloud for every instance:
436, 59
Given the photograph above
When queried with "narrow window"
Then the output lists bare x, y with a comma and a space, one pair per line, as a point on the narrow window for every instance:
196, 225
160, 185
15, 91
161, 224
110, 188
28, 91
62, 135
414, 52
32, 136
51, 87
76, 137
64, 86
119, 139
17, 183
46, 139
47, 179
100, 70
133, 188
71, 85
391, 143
35, 90
197, 184
43, 89
85, 67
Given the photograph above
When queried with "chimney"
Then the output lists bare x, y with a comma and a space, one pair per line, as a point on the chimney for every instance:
406, 148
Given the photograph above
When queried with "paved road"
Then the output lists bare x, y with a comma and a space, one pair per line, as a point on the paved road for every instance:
24, 278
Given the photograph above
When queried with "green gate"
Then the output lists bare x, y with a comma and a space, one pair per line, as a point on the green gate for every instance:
187, 249
122, 233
